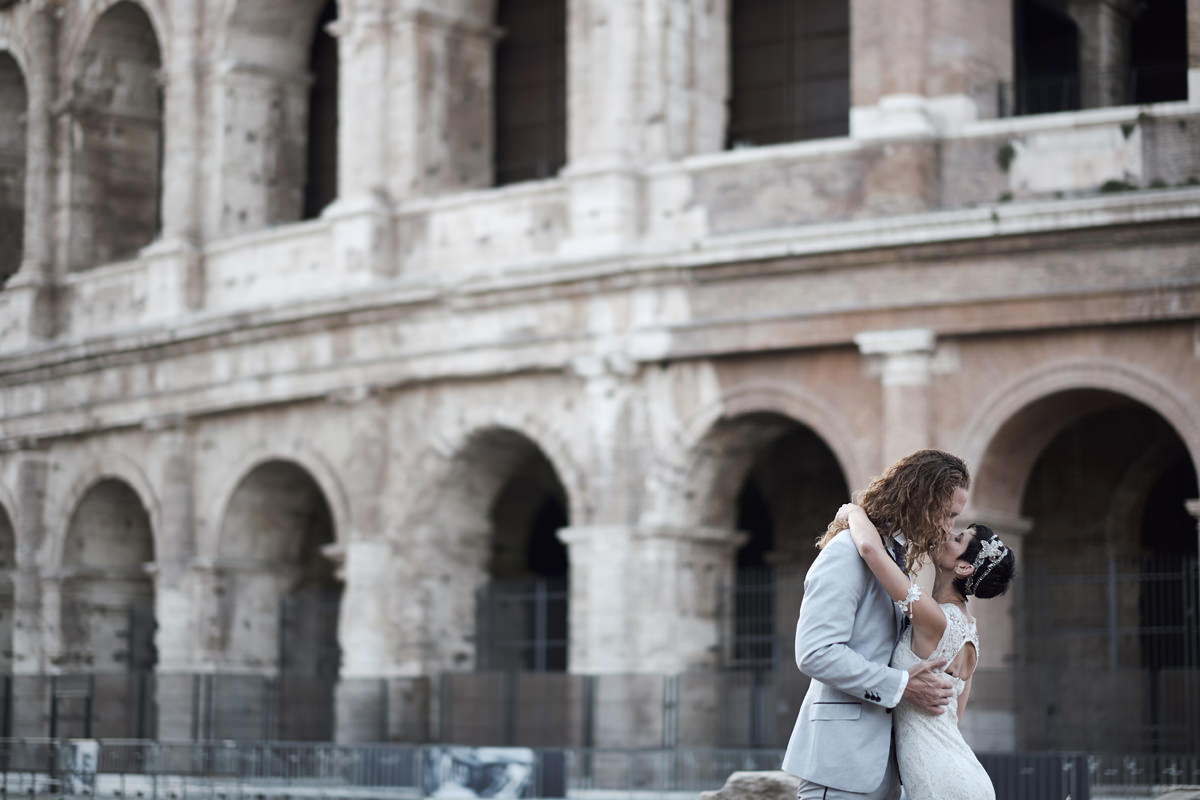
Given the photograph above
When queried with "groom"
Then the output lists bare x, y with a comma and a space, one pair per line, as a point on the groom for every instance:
841, 746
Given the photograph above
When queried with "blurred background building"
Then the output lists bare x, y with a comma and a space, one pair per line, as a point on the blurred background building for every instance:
484, 371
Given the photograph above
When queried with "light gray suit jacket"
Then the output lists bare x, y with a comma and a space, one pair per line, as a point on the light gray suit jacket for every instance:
844, 639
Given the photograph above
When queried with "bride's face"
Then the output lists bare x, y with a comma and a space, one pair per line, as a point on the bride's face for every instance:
953, 546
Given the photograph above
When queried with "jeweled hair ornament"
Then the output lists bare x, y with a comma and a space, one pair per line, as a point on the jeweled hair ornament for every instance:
992, 551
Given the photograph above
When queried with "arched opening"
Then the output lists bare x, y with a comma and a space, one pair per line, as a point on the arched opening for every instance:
277, 113
13, 109
107, 621
789, 71
530, 97
1158, 56
788, 495
320, 188
1109, 588
504, 594
116, 164
778, 483
522, 611
8, 562
279, 601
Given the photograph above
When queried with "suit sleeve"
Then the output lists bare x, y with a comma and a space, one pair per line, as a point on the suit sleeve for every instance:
833, 589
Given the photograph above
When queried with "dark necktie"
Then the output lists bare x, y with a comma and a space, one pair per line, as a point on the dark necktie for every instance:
896, 550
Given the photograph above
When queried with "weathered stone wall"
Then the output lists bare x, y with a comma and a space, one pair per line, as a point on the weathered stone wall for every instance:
297, 445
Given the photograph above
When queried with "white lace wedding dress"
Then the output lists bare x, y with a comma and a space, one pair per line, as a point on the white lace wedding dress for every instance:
935, 761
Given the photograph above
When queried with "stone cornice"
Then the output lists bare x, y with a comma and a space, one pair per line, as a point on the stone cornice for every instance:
1103, 222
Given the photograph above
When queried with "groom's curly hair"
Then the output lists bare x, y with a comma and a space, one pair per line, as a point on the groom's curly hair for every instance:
913, 496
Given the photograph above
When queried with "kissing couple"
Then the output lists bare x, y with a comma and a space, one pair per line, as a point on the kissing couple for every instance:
890, 665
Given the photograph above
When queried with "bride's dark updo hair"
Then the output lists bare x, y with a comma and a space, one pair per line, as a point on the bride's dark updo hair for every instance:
991, 578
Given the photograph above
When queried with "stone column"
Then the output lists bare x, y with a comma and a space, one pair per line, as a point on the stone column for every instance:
415, 105
646, 599
29, 528
991, 723
32, 297
361, 223
645, 609
183, 178
905, 360
603, 137
262, 121
909, 73
174, 638
366, 632
600, 604
1104, 46
369, 627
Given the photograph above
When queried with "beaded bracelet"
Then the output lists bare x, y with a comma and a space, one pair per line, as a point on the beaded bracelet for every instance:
905, 605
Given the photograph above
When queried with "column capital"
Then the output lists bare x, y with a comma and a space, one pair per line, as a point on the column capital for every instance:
900, 341
905, 356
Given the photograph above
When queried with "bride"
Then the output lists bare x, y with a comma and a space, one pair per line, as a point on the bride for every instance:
935, 761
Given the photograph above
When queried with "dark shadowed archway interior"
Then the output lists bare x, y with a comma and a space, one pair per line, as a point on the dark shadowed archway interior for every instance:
525, 620
1110, 589
117, 106
13, 111
107, 616
8, 562
321, 175
280, 598
778, 483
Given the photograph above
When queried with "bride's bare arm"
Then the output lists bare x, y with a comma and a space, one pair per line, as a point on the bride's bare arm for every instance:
924, 612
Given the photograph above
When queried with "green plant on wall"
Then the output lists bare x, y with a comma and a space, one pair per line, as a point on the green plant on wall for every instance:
1005, 155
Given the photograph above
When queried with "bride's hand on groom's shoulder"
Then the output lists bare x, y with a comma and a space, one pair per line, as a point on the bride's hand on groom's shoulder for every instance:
843, 513
861, 530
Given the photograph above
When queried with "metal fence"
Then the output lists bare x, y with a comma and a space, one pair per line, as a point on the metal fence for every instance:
1111, 655
1045, 94
521, 624
227, 770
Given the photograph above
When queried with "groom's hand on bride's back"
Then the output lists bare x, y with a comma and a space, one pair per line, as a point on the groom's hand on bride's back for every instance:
928, 690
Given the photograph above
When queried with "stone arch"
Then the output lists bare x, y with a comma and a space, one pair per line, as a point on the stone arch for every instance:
76, 39
12, 39
263, 100
311, 461
277, 592
1094, 382
768, 463
117, 109
268, 35
61, 507
455, 435
678, 472
14, 106
105, 620
1072, 453
472, 540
